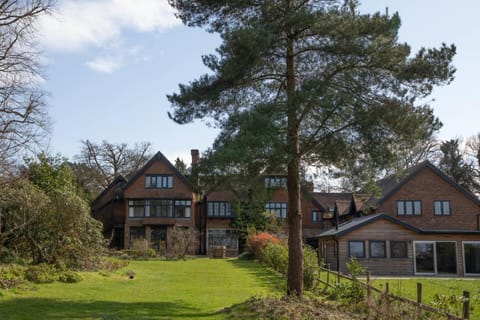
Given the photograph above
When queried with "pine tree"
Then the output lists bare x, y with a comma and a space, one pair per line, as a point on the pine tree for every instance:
330, 84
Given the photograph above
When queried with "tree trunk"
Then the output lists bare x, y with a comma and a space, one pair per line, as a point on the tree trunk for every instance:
295, 252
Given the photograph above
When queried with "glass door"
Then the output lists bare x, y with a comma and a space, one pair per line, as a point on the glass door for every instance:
435, 257
424, 258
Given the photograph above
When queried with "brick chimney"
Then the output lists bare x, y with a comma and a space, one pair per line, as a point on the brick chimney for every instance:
195, 157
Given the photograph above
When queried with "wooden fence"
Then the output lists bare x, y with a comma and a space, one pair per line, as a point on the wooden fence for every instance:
387, 299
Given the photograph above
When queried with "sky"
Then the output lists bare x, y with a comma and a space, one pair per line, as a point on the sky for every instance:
109, 65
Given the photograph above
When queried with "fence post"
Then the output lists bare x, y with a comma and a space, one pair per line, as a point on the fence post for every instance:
328, 274
338, 277
466, 305
387, 297
419, 299
369, 290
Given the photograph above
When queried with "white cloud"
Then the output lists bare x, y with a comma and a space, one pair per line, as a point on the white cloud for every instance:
78, 25
105, 64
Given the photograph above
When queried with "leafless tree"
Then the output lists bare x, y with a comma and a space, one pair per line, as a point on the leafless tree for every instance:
109, 160
24, 122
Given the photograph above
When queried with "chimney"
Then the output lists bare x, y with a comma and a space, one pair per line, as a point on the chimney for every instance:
195, 157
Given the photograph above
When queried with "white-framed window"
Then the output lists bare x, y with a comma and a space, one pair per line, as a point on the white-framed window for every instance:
222, 237
471, 258
442, 208
435, 257
279, 208
159, 181
316, 216
160, 208
183, 209
409, 207
219, 209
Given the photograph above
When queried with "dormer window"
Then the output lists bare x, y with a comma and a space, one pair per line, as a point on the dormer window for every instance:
159, 182
276, 182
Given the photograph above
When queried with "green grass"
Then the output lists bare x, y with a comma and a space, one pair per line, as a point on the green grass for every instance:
191, 289
407, 287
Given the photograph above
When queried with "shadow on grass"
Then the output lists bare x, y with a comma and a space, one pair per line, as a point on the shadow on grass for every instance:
267, 277
38, 308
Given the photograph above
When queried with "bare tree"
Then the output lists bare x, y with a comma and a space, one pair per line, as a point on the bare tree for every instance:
109, 160
23, 117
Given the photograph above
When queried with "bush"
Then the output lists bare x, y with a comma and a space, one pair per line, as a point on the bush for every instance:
275, 255
12, 276
41, 273
141, 253
310, 267
256, 242
70, 277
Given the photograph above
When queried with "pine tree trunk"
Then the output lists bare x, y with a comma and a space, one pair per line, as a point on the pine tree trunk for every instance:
295, 253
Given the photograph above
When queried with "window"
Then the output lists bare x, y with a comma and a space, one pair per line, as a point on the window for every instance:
137, 234
398, 249
356, 249
377, 249
136, 208
159, 182
222, 237
279, 208
276, 182
160, 208
183, 208
441, 207
435, 257
219, 209
471, 257
409, 207
316, 216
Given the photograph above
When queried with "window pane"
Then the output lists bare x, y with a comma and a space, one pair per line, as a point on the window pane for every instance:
400, 208
446, 207
437, 207
472, 257
356, 249
446, 257
398, 249
377, 249
417, 207
424, 257
408, 208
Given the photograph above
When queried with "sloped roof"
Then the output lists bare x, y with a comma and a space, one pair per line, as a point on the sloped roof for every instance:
117, 180
158, 157
390, 185
328, 200
357, 223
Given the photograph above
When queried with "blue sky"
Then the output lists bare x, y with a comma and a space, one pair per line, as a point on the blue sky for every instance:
111, 63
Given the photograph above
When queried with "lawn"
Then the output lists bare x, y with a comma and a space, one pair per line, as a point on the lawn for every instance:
191, 289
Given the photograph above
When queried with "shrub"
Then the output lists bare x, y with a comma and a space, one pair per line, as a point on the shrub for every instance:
141, 253
275, 255
12, 276
70, 277
256, 242
41, 273
181, 242
113, 265
310, 267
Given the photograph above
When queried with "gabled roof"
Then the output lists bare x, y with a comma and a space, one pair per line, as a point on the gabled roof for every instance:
393, 183
357, 223
158, 157
117, 180
328, 200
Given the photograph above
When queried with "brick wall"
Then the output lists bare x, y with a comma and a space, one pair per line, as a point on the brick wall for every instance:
427, 186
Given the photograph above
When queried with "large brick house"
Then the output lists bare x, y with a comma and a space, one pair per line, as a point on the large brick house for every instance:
147, 206
423, 223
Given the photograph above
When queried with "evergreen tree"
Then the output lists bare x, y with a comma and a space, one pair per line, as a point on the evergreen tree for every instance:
328, 85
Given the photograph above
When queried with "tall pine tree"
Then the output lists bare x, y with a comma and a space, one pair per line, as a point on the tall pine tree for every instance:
334, 85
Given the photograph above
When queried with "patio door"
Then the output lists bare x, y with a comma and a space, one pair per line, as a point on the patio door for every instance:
435, 257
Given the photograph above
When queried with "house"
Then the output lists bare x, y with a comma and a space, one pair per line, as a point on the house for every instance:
147, 206
422, 223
